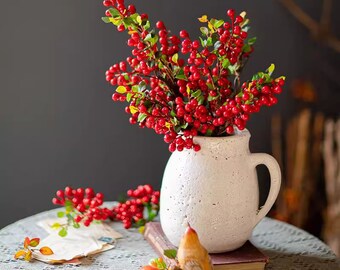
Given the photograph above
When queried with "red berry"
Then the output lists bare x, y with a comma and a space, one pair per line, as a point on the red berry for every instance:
231, 13
183, 34
230, 130
132, 9
160, 25
107, 3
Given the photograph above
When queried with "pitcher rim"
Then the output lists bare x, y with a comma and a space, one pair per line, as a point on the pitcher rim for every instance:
238, 135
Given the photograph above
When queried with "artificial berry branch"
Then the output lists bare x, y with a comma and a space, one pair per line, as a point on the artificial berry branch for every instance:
84, 206
183, 87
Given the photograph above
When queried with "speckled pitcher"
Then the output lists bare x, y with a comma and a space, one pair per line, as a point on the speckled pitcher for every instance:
216, 191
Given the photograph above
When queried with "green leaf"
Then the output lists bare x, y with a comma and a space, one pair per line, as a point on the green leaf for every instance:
211, 98
209, 132
147, 25
128, 97
121, 89
180, 75
184, 126
114, 13
209, 41
203, 42
246, 48
200, 100
62, 232
142, 117
232, 69
60, 214
76, 225
218, 23
106, 19
170, 253
134, 88
196, 93
252, 41
204, 30
225, 63
127, 22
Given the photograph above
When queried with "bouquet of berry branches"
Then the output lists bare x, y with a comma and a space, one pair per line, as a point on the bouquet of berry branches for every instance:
183, 87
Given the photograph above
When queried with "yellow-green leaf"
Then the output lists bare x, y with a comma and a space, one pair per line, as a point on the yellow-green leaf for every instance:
271, 69
167, 125
243, 14
211, 27
28, 256
174, 58
19, 254
56, 226
34, 242
133, 109
281, 78
188, 90
141, 229
203, 19
26, 242
139, 20
46, 251
121, 89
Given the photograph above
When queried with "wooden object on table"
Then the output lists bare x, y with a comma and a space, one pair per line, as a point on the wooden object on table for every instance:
248, 257
301, 169
331, 154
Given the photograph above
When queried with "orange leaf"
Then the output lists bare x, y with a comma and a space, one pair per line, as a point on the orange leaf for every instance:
46, 251
28, 256
34, 242
26, 242
19, 254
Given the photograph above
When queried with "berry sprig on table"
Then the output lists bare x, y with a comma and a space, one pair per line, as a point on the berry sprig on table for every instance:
84, 206
182, 87
132, 211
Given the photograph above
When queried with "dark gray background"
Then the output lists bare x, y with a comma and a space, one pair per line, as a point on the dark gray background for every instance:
58, 124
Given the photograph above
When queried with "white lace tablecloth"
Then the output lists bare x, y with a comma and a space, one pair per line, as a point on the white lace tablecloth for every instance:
288, 248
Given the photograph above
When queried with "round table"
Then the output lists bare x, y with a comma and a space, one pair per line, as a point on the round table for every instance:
288, 248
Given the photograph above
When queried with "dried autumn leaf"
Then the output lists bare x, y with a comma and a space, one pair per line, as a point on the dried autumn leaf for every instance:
46, 251
26, 242
28, 256
19, 254
34, 242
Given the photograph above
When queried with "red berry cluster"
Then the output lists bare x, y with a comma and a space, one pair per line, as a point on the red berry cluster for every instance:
183, 87
131, 212
86, 202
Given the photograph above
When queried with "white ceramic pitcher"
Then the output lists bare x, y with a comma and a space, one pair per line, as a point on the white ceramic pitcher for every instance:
216, 191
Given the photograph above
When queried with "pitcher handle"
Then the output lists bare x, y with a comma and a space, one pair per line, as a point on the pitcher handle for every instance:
275, 181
